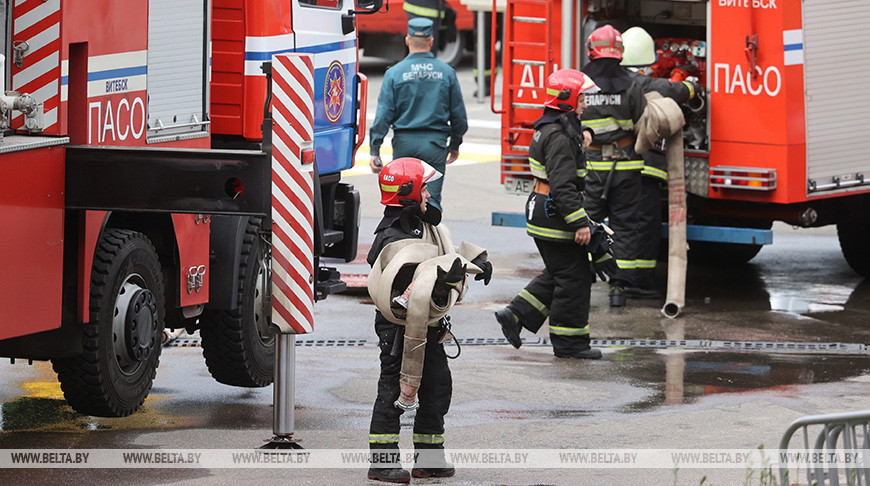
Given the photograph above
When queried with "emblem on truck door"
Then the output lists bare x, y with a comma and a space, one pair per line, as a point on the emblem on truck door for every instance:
333, 91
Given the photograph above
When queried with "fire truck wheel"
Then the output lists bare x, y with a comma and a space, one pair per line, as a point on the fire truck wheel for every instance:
452, 51
238, 345
854, 235
721, 254
121, 343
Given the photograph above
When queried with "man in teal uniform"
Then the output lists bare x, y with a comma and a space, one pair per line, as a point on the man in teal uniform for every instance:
421, 101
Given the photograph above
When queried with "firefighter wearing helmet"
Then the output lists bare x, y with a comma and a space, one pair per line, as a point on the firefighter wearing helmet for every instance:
639, 56
613, 183
556, 219
417, 275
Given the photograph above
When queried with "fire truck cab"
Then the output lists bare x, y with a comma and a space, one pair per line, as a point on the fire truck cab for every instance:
137, 155
773, 136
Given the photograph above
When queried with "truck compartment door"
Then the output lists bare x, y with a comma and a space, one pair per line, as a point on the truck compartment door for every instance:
177, 69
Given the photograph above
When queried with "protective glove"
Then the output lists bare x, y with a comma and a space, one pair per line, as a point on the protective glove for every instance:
452, 277
694, 88
484, 265
410, 219
604, 265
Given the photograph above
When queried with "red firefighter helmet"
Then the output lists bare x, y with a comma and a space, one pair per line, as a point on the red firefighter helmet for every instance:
402, 181
604, 41
565, 86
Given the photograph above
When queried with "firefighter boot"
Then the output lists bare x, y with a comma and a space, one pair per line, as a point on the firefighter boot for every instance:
590, 353
641, 293
434, 472
389, 474
510, 326
617, 296
486, 85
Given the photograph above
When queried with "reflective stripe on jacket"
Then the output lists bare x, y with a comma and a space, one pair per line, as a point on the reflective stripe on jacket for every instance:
556, 156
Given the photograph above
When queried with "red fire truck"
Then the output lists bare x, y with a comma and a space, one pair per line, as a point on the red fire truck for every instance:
383, 35
776, 136
139, 183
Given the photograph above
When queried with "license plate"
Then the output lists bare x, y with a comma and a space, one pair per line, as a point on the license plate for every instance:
518, 185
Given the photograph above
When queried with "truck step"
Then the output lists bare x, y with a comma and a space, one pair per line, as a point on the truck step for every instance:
719, 234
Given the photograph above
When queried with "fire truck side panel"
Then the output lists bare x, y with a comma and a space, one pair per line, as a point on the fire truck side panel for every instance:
227, 66
793, 67
32, 218
749, 103
92, 223
110, 72
836, 45
246, 34
318, 31
192, 238
36, 27
240, 86
786, 159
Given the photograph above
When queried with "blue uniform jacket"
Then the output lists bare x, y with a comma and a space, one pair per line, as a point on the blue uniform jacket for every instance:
419, 93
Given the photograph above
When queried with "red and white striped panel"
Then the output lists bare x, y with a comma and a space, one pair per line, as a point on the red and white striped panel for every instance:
37, 23
292, 193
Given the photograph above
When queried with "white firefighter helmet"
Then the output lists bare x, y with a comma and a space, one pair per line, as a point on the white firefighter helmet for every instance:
640, 50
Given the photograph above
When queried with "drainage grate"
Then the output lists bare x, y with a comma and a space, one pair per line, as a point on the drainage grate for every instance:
703, 344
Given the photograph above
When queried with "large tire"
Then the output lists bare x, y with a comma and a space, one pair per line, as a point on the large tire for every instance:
238, 345
725, 254
116, 369
453, 51
854, 235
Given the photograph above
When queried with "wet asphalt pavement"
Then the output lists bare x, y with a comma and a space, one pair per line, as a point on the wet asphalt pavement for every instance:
798, 290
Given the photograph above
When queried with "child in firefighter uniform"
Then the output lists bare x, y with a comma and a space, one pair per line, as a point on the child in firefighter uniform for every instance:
556, 219
417, 275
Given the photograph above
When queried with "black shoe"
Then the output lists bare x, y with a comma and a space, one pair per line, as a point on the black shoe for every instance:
590, 353
434, 472
510, 326
617, 297
389, 474
641, 293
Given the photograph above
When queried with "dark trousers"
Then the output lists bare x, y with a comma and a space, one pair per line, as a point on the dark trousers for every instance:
436, 388
649, 231
428, 146
621, 209
560, 292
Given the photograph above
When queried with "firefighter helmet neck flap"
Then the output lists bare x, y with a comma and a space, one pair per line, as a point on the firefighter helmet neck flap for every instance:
402, 181
565, 86
604, 41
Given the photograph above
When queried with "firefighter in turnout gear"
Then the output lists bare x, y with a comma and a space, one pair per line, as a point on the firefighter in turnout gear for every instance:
417, 275
556, 219
613, 184
638, 57
421, 101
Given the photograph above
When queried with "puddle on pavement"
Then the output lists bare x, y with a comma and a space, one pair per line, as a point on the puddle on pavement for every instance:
677, 378
42, 407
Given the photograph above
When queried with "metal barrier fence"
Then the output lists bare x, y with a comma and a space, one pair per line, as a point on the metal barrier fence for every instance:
838, 431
